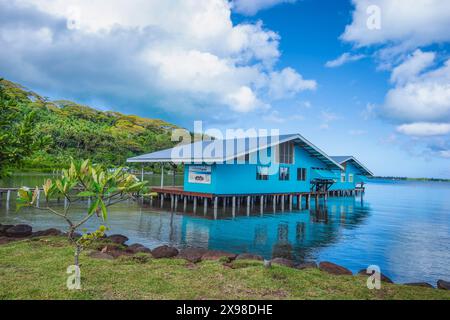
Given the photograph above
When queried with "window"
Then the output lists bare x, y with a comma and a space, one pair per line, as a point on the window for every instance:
342, 177
262, 173
301, 174
284, 173
350, 178
286, 153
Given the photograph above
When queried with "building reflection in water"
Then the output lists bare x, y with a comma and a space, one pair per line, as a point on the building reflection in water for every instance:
295, 235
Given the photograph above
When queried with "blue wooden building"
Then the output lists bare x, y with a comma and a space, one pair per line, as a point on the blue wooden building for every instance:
265, 169
352, 177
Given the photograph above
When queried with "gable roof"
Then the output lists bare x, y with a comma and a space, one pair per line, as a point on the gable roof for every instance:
232, 149
359, 165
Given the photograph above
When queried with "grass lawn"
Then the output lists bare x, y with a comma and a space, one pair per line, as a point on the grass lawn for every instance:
36, 269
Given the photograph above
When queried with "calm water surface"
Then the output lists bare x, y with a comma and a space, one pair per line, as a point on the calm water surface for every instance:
404, 227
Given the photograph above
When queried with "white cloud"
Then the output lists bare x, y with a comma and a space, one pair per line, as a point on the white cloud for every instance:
424, 129
251, 7
404, 24
419, 97
412, 66
444, 153
288, 82
343, 59
173, 56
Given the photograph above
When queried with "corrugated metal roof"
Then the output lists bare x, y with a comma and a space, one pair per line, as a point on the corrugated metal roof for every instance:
232, 149
343, 159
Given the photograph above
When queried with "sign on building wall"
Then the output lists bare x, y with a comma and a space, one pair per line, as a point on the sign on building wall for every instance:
200, 174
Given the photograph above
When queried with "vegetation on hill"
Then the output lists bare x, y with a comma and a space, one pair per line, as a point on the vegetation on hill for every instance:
80, 132
36, 269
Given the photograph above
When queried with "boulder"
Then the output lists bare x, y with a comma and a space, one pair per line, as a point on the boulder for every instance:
307, 265
383, 277
193, 255
4, 227
164, 252
19, 231
334, 268
217, 255
249, 256
138, 248
5, 240
117, 238
100, 255
47, 233
419, 284
444, 285
284, 262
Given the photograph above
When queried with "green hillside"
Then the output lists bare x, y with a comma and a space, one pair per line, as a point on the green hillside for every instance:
82, 132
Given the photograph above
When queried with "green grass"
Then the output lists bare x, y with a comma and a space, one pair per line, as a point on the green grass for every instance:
36, 269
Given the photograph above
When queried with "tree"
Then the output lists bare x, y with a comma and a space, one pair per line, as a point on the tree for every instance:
18, 138
83, 180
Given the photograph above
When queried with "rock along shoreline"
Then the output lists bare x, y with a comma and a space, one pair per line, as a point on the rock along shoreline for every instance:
114, 246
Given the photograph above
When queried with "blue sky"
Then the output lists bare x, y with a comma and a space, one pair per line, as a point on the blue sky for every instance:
380, 92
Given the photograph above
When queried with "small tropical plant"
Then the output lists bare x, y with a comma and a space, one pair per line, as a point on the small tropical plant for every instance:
84, 180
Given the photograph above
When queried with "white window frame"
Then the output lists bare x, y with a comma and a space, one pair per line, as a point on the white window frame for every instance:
350, 177
343, 177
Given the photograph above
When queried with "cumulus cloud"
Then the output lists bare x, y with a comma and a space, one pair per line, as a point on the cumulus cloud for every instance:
412, 66
181, 56
403, 24
288, 82
419, 100
343, 59
423, 97
251, 7
424, 129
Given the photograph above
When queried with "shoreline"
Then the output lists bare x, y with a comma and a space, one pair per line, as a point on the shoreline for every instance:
114, 246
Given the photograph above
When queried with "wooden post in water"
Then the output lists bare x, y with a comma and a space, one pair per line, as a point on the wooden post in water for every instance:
216, 203
205, 206
282, 203
248, 205
274, 202
290, 202
233, 206
184, 203
195, 204
261, 204
162, 200
299, 202
176, 202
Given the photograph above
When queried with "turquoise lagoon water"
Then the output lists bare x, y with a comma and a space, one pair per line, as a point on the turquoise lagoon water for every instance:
401, 226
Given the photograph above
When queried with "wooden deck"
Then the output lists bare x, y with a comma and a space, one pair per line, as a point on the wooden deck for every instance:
178, 190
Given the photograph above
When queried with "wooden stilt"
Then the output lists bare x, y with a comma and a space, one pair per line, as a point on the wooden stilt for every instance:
248, 205
195, 205
216, 203
233, 206
261, 204
205, 206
